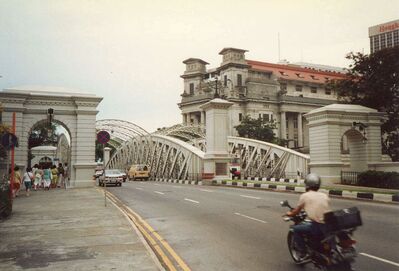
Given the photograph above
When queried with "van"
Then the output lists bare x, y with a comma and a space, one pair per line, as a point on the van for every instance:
138, 172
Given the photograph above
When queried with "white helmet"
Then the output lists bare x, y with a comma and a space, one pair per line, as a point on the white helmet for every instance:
312, 181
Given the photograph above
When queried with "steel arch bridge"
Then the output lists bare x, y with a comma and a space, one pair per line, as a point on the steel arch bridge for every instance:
178, 152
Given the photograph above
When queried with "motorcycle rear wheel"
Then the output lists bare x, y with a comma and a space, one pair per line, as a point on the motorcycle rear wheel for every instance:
295, 254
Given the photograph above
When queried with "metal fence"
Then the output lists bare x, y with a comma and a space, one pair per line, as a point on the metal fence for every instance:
349, 177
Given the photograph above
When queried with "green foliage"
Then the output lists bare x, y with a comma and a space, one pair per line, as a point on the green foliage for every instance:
259, 129
373, 81
379, 179
3, 129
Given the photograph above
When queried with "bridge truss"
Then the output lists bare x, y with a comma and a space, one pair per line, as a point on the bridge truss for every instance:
178, 152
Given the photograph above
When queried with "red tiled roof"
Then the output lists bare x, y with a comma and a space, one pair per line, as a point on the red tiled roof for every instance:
295, 73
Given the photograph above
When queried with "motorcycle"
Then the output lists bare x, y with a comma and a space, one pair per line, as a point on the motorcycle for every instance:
333, 251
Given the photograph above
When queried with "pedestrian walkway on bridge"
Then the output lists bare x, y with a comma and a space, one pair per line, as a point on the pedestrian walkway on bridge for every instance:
71, 230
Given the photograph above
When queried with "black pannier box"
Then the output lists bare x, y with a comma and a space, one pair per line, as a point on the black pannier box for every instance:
343, 219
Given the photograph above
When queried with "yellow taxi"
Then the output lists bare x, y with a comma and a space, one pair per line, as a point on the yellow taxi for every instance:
139, 172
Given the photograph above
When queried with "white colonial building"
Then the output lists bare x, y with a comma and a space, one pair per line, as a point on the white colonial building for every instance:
282, 92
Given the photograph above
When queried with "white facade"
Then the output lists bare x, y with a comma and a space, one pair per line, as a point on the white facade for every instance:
75, 111
279, 92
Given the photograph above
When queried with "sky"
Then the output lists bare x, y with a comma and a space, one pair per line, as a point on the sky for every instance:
130, 52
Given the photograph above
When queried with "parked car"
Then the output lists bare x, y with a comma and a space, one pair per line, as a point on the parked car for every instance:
98, 173
139, 172
110, 176
123, 174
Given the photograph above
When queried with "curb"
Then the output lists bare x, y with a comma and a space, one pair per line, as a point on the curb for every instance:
280, 186
336, 193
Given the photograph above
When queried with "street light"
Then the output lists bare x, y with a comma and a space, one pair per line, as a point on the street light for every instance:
362, 129
216, 95
50, 115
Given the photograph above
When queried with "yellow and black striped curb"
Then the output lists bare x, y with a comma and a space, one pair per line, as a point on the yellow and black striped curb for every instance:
280, 186
168, 258
332, 192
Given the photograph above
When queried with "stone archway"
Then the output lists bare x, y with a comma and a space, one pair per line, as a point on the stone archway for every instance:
359, 126
357, 150
76, 111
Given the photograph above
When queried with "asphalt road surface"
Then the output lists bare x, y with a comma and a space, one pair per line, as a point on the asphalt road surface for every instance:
221, 228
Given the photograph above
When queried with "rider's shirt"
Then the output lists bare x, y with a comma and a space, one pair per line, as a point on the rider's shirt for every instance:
315, 205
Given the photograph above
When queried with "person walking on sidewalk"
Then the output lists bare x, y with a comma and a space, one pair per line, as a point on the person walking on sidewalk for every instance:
47, 177
38, 173
66, 174
17, 181
54, 176
27, 179
60, 175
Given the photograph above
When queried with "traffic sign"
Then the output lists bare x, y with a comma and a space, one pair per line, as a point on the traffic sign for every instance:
103, 137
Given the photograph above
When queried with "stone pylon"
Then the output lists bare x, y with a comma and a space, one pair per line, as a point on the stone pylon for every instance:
217, 158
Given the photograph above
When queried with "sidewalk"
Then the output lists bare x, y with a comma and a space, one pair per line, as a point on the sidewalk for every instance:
70, 230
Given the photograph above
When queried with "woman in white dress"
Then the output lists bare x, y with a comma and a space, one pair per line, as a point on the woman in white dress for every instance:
38, 173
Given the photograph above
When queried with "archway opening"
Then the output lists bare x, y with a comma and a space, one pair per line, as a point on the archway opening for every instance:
50, 140
356, 146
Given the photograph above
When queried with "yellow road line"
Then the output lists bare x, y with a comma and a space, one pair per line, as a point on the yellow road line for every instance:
149, 239
182, 264
139, 222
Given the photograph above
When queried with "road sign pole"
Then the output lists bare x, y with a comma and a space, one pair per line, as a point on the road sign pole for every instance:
12, 177
104, 183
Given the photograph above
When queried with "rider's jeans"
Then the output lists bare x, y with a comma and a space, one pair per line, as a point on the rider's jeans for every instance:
307, 228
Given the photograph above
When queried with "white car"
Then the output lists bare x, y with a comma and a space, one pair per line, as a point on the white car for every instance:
110, 176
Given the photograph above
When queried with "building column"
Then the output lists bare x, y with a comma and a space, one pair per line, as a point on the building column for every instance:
300, 131
203, 119
184, 119
283, 127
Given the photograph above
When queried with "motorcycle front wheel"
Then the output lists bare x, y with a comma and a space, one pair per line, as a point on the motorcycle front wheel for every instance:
292, 248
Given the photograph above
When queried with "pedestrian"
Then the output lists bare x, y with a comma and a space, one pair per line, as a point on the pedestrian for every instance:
17, 181
60, 175
47, 177
66, 174
27, 179
54, 176
38, 173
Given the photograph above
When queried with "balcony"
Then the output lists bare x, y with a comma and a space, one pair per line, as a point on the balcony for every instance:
197, 97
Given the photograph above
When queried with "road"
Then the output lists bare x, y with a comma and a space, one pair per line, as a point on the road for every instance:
222, 228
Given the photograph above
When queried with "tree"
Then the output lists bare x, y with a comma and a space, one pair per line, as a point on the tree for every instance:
40, 135
259, 129
373, 81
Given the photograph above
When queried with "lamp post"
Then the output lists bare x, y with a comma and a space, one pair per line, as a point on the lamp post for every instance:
50, 115
216, 95
362, 129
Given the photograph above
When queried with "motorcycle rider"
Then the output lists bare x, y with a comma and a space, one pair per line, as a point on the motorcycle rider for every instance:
315, 205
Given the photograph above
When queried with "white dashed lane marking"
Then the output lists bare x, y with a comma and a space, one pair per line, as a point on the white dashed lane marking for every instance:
250, 197
191, 200
139, 188
252, 218
379, 259
161, 193
206, 190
